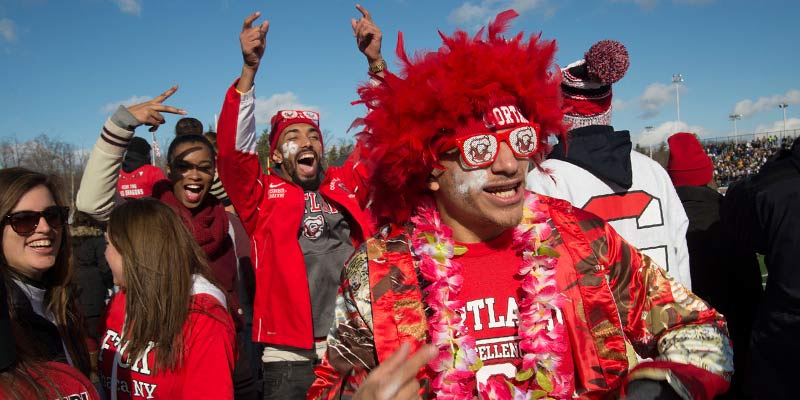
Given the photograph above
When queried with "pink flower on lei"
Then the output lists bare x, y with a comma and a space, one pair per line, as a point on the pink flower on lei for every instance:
542, 342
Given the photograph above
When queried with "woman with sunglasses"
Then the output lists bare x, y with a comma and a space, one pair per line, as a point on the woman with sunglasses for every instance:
36, 265
167, 333
190, 169
23, 377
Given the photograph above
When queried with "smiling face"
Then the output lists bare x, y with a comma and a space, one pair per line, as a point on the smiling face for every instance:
299, 153
191, 173
480, 203
33, 254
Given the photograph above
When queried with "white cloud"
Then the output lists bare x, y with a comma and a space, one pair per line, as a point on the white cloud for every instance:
133, 7
111, 107
8, 30
654, 98
749, 107
467, 13
267, 107
620, 105
651, 102
777, 126
482, 11
660, 133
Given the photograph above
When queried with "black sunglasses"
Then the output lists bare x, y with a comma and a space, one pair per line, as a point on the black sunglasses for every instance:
26, 222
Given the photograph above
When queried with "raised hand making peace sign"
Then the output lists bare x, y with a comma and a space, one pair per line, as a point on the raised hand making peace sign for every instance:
149, 112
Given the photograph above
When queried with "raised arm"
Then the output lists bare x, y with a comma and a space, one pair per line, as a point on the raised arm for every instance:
237, 161
355, 171
254, 41
99, 182
368, 37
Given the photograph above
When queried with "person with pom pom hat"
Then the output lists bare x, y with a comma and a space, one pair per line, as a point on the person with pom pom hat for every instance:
498, 292
599, 172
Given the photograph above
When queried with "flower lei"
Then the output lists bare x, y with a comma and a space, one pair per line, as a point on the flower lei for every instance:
542, 346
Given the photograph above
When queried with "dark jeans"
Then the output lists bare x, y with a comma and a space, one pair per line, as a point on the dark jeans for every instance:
287, 379
244, 380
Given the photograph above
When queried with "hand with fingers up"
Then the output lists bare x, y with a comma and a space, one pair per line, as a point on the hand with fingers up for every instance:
368, 37
396, 378
253, 40
149, 112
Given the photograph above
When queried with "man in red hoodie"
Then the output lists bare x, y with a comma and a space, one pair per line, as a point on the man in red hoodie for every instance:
303, 221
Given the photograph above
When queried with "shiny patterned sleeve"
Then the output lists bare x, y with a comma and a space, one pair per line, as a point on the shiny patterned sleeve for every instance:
351, 347
686, 339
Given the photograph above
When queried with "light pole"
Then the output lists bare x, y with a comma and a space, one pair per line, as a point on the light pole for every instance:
677, 79
784, 106
734, 118
648, 129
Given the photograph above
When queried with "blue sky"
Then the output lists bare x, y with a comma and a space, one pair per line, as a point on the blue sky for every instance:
67, 63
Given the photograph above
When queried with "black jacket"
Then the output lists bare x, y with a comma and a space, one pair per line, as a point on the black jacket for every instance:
723, 275
91, 274
40, 334
599, 149
763, 213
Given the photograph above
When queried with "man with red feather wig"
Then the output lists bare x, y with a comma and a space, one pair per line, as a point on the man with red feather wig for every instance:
501, 293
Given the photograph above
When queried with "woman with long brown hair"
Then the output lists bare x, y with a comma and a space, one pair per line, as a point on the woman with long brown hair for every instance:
23, 376
167, 333
36, 264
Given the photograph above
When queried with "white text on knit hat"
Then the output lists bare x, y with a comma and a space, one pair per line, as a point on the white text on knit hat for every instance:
504, 117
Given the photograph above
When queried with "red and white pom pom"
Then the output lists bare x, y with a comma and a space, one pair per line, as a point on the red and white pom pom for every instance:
607, 61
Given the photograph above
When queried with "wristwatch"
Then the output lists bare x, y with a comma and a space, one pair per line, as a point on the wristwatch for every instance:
378, 67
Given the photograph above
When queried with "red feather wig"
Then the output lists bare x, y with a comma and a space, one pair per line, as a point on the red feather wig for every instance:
443, 94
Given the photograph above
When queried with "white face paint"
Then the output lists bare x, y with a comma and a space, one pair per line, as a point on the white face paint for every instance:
469, 180
289, 149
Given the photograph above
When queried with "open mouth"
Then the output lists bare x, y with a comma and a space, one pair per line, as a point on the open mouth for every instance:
193, 193
42, 247
41, 244
307, 163
504, 191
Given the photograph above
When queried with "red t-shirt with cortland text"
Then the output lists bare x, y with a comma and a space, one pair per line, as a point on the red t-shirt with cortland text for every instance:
209, 346
491, 293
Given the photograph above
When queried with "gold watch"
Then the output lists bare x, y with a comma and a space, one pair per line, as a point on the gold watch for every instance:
378, 67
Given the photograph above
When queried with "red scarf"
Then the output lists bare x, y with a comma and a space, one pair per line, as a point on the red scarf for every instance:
208, 224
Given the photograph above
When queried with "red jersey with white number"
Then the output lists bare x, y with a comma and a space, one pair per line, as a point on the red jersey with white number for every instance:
208, 355
491, 293
139, 182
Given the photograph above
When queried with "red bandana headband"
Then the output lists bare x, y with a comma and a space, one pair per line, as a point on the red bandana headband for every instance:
284, 118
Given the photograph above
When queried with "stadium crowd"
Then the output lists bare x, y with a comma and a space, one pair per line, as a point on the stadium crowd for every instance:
457, 253
737, 160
